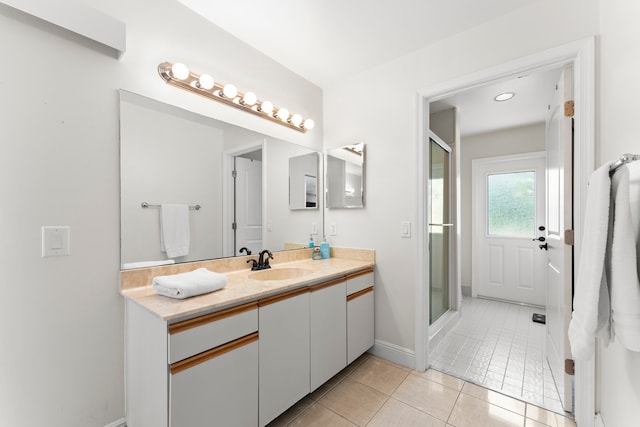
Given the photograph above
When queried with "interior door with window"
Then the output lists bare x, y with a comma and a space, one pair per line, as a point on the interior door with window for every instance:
509, 211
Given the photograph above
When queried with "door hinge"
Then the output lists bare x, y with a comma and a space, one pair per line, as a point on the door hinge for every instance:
568, 109
569, 237
234, 226
234, 173
569, 367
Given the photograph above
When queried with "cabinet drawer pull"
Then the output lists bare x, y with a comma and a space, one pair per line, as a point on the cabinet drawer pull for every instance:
212, 317
359, 293
359, 273
280, 297
214, 352
319, 286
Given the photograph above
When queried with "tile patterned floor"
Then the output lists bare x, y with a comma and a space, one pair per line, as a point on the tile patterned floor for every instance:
374, 392
496, 345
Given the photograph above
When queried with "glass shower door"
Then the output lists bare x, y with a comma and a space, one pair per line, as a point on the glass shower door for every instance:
440, 228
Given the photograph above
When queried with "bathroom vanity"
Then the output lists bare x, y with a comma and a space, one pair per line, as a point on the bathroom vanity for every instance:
245, 354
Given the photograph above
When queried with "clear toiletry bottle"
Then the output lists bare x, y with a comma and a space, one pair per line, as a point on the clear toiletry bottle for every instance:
324, 249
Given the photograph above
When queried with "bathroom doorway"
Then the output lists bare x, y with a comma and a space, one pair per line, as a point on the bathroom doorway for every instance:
580, 56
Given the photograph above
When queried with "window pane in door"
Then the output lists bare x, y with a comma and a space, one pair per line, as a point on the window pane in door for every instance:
511, 204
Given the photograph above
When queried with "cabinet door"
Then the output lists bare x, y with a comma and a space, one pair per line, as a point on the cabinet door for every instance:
360, 334
217, 387
328, 331
284, 352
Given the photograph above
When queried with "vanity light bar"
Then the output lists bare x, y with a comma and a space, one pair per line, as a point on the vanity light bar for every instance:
203, 84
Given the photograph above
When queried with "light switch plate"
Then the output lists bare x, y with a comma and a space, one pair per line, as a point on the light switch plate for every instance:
55, 241
333, 229
314, 228
405, 229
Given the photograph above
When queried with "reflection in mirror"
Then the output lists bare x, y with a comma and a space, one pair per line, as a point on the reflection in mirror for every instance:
345, 177
303, 182
172, 156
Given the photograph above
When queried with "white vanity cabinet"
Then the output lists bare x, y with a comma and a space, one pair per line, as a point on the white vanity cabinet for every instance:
284, 352
328, 319
197, 372
360, 320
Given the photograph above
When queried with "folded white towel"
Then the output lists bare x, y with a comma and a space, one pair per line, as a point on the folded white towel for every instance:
184, 285
145, 264
591, 306
174, 230
623, 265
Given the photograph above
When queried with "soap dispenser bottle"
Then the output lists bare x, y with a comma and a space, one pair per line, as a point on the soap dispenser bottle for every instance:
311, 242
324, 249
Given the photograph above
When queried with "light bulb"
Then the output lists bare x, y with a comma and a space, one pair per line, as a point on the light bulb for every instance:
249, 98
179, 71
308, 124
283, 114
296, 119
266, 107
229, 91
206, 82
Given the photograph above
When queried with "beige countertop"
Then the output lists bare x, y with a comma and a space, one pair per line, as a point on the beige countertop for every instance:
240, 287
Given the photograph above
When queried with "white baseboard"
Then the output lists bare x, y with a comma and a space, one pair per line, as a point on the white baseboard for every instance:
394, 353
118, 423
599, 422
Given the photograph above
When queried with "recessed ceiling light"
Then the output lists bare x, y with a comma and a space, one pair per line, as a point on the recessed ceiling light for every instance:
504, 96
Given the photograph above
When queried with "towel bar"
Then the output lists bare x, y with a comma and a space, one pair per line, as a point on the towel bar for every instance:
625, 158
147, 205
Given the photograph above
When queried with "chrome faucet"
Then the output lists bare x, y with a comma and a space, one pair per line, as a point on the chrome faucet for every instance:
262, 263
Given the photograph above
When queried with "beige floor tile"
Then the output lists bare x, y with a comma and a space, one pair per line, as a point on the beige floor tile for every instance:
528, 422
354, 365
441, 378
428, 396
354, 401
548, 418
292, 412
395, 413
565, 421
324, 388
470, 411
379, 374
495, 398
319, 416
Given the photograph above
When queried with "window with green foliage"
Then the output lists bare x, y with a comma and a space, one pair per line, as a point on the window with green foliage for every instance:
511, 204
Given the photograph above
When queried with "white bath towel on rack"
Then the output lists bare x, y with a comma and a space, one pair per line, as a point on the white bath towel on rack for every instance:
591, 304
623, 264
174, 230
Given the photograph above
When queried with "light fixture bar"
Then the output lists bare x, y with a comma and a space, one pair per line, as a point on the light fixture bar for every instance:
179, 76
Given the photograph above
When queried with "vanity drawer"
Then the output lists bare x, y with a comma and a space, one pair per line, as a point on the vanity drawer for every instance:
202, 333
359, 281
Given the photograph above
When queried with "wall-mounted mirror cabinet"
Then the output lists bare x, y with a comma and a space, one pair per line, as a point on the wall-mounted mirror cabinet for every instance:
172, 156
345, 176
303, 181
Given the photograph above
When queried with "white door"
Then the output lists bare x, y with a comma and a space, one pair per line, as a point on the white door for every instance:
509, 206
248, 202
559, 219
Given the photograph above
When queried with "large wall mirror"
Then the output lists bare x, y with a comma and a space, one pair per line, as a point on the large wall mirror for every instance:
172, 156
345, 177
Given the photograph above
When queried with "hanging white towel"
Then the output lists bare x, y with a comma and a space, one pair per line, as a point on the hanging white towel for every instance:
623, 265
184, 285
591, 304
174, 230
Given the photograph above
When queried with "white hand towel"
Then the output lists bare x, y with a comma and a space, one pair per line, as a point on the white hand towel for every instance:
174, 230
591, 306
625, 287
184, 285
145, 264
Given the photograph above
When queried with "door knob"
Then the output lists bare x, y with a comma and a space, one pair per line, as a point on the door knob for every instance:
541, 239
545, 247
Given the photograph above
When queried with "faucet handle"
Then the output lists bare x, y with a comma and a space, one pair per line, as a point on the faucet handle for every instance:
254, 266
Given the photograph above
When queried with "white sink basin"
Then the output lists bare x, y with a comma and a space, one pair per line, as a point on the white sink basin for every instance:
279, 274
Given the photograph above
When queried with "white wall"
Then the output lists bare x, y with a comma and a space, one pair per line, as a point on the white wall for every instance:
619, 370
491, 144
61, 352
379, 107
